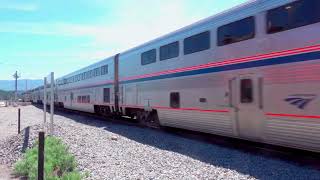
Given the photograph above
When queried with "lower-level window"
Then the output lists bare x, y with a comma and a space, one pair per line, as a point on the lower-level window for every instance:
83, 99
246, 91
106, 95
175, 100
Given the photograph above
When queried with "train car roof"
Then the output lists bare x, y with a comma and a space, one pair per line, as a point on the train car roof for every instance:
224, 16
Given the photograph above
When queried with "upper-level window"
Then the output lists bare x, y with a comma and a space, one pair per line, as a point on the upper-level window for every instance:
169, 51
236, 31
104, 69
97, 72
87, 75
92, 73
148, 57
196, 43
293, 15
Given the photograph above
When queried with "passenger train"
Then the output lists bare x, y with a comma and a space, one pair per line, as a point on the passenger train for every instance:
252, 72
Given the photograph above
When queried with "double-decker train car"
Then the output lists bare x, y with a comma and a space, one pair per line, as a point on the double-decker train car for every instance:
251, 72
36, 95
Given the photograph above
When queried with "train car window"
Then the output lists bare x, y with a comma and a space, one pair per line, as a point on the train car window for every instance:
196, 43
246, 91
92, 73
88, 99
79, 99
293, 15
148, 57
169, 51
237, 31
83, 99
104, 70
175, 100
106, 95
87, 75
97, 72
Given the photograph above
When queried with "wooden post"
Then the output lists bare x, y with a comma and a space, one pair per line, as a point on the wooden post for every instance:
51, 103
45, 100
19, 121
41, 156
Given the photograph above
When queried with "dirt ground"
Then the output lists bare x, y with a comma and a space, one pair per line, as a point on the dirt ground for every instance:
9, 119
9, 127
6, 173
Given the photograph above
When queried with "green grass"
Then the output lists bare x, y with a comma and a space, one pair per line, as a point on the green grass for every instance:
59, 163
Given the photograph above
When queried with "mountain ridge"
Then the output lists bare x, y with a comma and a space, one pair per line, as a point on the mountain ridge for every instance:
9, 85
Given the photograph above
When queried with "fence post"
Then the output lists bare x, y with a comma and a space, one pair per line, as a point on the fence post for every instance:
51, 103
19, 121
45, 100
41, 156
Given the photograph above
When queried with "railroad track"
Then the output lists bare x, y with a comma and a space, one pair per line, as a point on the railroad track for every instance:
300, 157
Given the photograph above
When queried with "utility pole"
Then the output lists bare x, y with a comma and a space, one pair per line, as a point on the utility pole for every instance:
16, 76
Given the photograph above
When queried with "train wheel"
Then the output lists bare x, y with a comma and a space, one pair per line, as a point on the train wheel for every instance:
153, 120
149, 119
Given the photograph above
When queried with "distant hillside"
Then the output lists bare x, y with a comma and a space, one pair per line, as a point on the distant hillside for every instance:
9, 85
5, 95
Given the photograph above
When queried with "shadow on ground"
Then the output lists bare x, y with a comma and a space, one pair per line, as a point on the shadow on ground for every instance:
25, 139
255, 164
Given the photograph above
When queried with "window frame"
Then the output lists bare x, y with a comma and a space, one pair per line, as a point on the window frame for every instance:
104, 95
143, 63
192, 38
104, 69
168, 46
252, 36
289, 26
173, 104
243, 94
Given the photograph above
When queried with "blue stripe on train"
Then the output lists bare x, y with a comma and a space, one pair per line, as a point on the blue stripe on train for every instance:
258, 63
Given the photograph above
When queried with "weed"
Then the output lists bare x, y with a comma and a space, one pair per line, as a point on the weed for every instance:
59, 163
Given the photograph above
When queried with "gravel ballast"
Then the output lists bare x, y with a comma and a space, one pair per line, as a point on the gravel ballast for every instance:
113, 151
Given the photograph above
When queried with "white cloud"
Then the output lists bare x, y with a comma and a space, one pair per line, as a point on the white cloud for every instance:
10, 5
130, 26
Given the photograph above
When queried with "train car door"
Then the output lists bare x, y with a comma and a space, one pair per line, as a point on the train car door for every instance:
247, 101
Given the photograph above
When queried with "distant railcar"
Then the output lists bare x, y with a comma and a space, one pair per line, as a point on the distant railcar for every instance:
251, 72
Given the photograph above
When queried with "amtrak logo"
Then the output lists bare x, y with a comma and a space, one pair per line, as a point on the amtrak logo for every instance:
300, 100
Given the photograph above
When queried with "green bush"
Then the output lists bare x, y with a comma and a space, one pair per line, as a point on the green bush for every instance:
59, 163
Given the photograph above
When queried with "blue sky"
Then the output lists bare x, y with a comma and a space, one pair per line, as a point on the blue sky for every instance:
40, 36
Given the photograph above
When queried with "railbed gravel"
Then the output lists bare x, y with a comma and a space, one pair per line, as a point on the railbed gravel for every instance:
113, 151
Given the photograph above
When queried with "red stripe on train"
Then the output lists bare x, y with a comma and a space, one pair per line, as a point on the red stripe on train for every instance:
192, 109
180, 109
230, 61
294, 115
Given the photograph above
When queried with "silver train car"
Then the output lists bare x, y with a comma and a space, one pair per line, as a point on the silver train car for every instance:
251, 72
